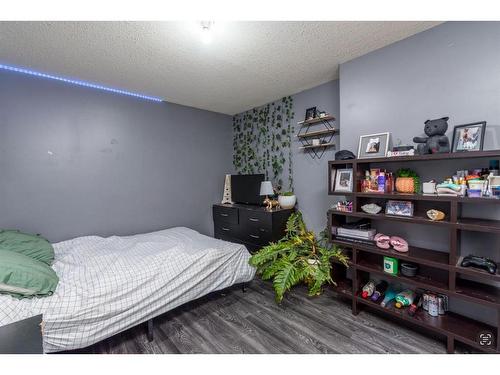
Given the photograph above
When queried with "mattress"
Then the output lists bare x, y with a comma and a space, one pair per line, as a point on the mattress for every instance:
108, 285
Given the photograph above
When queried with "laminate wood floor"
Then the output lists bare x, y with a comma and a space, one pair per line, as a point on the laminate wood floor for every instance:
235, 322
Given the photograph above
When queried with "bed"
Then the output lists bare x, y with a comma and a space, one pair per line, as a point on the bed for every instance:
108, 285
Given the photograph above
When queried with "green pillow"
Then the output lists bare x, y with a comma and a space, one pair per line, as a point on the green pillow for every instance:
24, 277
35, 247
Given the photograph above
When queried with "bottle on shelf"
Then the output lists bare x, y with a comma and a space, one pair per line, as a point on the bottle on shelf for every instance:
404, 298
368, 289
417, 301
390, 294
380, 289
389, 186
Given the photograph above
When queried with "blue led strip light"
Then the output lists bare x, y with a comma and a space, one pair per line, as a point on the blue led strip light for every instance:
78, 83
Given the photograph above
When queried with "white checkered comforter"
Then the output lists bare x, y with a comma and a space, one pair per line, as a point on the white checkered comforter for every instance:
108, 285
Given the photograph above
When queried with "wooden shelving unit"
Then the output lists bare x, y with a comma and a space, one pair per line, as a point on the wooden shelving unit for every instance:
440, 271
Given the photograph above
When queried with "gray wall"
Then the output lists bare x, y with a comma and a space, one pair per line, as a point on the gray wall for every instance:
76, 161
310, 175
452, 69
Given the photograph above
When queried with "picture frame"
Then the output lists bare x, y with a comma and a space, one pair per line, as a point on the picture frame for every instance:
373, 145
399, 208
310, 113
468, 137
333, 174
344, 180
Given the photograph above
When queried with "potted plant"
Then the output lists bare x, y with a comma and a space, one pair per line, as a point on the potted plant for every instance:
407, 181
287, 199
297, 258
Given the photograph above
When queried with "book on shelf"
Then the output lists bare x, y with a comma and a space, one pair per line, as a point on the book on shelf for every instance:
355, 240
366, 234
358, 224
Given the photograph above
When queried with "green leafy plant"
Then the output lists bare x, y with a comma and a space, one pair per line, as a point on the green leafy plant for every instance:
299, 257
407, 172
287, 194
262, 139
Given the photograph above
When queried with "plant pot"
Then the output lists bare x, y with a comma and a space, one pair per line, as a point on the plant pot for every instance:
405, 185
287, 201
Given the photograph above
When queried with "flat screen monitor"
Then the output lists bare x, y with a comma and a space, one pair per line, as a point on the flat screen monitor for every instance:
245, 188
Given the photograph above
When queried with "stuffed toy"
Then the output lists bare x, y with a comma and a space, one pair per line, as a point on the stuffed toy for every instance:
436, 140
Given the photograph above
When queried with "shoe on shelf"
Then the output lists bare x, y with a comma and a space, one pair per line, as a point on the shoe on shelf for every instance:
382, 241
399, 244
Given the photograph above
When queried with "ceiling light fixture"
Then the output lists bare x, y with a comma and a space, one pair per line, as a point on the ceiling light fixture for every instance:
77, 82
207, 31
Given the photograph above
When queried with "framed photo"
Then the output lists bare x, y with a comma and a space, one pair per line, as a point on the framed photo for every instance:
332, 179
310, 113
468, 137
373, 145
399, 208
344, 180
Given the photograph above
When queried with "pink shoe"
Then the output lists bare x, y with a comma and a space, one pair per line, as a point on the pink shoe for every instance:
399, 244
382, 241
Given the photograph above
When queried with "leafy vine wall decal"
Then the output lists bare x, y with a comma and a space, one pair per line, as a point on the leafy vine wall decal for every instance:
262, 139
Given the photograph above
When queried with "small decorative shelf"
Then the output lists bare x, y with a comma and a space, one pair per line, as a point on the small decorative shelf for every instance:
324, 136
317, 146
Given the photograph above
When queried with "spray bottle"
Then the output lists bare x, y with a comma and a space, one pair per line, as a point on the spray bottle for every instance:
390, 294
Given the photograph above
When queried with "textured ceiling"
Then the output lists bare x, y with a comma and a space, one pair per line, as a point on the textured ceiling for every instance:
246, 65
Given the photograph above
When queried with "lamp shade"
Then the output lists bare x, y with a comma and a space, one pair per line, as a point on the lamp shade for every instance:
266, 188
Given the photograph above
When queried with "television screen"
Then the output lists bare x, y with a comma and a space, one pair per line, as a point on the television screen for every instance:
245, 188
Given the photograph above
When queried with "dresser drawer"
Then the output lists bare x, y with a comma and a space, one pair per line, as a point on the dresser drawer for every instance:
224, 231
225, 214
254, 218
256, 235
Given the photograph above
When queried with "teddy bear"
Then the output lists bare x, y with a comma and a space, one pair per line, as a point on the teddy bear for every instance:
436, 140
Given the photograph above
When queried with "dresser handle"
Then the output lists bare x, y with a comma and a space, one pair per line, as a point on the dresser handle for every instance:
253, 219
225, 215
225, 229
254, 236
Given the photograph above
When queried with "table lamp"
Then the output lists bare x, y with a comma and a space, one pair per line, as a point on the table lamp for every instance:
266, 188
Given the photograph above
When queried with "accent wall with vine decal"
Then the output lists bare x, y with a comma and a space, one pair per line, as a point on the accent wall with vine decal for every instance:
262, 139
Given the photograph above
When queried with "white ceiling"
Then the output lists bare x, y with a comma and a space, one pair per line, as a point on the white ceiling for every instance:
246, 65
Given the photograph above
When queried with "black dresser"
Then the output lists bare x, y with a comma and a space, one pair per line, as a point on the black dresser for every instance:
252, 226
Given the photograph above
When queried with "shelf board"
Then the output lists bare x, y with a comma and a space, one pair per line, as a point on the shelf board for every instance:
478, 272
418, 255
420, 197
409, 197
348, 193
413, 219
479, 225
461, 328
430, 157
316, 120
317, 133
419, 281
316, 146
478, 292
343, 288
476, 200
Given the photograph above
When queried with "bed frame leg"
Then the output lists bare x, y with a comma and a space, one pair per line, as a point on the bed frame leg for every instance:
244, 287
150, 330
